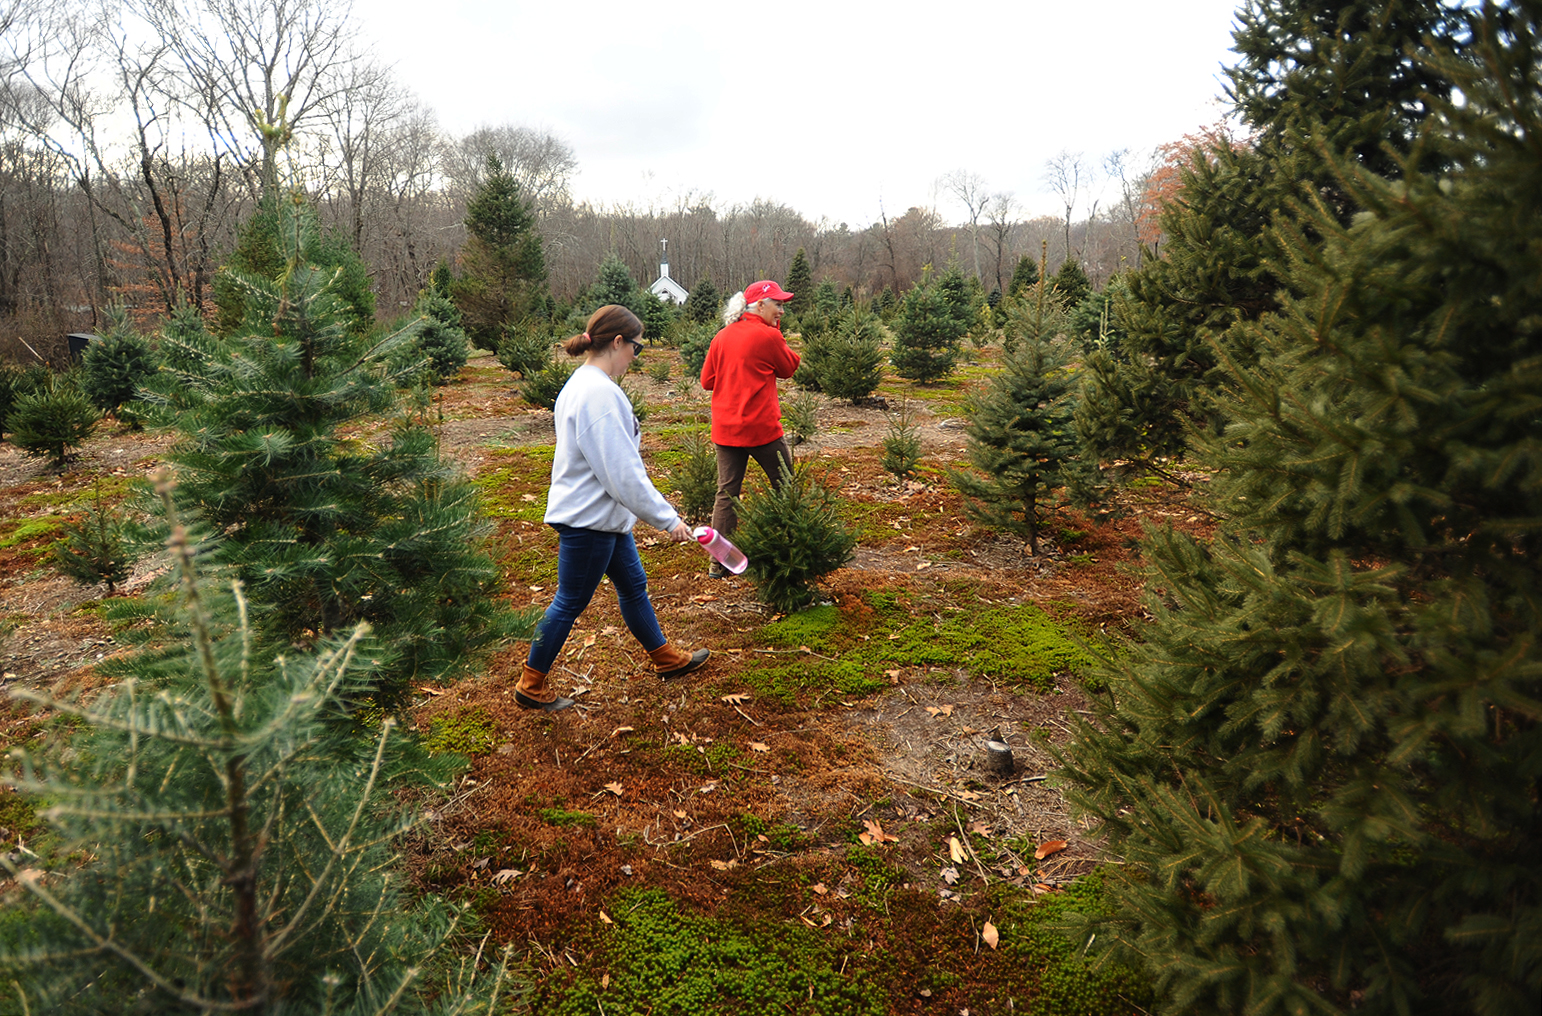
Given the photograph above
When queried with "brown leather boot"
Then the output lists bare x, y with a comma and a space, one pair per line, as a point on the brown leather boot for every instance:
533, 692
670, 662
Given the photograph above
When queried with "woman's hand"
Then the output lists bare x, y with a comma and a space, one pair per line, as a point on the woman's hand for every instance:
681, 533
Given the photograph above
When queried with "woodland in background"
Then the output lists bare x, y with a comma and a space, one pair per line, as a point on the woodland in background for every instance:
124, 174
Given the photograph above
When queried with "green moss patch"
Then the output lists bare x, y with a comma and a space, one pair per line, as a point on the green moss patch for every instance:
515, 485
465, 732
660, 959
1018, 644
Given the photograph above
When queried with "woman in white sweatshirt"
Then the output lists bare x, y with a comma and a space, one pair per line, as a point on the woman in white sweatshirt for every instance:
599, 489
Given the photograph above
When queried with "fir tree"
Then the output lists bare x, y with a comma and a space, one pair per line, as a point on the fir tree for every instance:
256, 254
438, 348
793, 537
846, 363
1314, 76
1071, 284
800, 282
96, 548
1021, 440
113, 368
328, 531
503, 265
927, 333
694, 346
525, 350
615, 285
658, 317
16, 382
1024, 277
901, 444
235, 853
1319, 761
955, 293
53, 421
704, 303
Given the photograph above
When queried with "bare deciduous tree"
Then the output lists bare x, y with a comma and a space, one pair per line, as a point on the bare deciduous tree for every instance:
1064, 178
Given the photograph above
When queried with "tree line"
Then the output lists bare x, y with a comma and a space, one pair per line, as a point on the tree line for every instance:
136, 136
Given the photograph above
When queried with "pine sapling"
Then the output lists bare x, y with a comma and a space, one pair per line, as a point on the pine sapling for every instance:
902, 444
800, 417
793, 537
96, 549
227, 849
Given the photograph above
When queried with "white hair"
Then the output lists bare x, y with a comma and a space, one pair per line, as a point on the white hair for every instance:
736, 307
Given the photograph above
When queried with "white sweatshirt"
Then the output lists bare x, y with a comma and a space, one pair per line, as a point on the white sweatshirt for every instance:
598, 480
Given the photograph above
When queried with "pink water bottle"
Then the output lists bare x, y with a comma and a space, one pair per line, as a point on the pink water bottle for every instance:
717, 545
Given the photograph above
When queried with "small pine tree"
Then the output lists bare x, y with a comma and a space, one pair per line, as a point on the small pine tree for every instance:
694, 479
693, 348
230, 851
113, 368
525, 350
96, 549
503, 265
846, 363
1021, 440
927, 333
800, 417
902, 444
1024, 277
704, 303
16, 382
438, 349
615, 285
541, 388
793, 537
658, 317
52, 422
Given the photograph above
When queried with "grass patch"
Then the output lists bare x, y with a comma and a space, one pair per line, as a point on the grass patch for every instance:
464, 732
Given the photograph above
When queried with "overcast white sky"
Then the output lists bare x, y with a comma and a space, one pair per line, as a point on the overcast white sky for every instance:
830, 106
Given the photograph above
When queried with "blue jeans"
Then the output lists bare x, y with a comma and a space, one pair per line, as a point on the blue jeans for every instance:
583, 555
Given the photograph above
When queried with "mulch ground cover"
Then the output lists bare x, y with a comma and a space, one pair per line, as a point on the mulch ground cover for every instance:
819, 787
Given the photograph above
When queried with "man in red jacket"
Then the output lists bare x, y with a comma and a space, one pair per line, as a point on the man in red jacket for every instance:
742, 366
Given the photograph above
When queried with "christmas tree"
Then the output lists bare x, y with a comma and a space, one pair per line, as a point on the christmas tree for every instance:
1314, 77
113, 368
800, 282
927, 332
702, 306
230, 850
1319, 762
1020, 440
327, 531
503, 265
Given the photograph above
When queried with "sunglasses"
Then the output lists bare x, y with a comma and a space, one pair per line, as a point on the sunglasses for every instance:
637, 347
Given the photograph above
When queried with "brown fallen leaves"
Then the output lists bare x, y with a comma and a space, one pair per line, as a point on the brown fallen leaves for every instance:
874, 834
1049, 847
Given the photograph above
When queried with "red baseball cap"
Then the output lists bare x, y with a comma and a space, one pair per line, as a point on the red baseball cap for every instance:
765, 290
